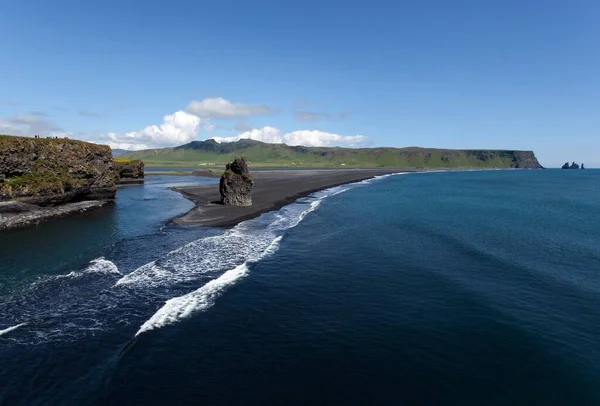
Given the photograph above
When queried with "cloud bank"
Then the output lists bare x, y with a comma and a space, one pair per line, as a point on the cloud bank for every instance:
183, 127
176, 129
310, 138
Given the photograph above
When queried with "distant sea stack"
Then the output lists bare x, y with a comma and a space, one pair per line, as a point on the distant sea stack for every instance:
129, 171
574, 165
37, 175
236, 184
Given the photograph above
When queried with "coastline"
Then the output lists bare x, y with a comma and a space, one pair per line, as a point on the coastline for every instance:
18, 215
272, 190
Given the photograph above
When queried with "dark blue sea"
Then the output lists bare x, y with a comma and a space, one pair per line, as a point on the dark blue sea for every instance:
449, 288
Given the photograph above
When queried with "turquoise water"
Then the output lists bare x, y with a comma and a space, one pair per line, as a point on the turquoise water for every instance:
439, 288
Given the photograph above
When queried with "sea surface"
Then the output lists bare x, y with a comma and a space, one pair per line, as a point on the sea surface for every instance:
447, 288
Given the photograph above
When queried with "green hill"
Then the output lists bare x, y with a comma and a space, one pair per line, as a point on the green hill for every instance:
211, 153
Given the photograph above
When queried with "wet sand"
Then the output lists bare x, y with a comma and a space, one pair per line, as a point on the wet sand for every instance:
272, 190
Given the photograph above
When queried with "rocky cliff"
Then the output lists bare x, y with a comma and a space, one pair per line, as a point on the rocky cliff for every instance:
129, 170
236, 184
49, 172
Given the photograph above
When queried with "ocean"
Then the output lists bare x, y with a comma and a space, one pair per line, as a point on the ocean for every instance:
444, 288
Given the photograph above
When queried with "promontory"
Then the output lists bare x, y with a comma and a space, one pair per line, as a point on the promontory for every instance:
43, 178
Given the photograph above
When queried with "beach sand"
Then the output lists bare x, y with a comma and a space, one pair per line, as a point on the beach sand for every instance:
272, 190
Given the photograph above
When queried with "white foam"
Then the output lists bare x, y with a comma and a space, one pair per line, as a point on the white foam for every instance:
227, 255
179, 308
340, 191
8, 330
217, 254
96, 266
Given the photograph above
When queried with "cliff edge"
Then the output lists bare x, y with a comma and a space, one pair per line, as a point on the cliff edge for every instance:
48, 172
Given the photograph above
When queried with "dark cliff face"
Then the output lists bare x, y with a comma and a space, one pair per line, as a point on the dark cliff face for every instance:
524, 160
55, 171
236, 184
129, 169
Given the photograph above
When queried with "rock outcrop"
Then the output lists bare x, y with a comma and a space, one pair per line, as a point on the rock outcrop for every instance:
236, 184
129, 171
574, 165
48, 172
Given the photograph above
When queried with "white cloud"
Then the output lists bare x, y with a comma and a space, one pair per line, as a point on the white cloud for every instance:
310, 138
180, 128
318, 138
219, 107
177, 128
265, 134
28, 125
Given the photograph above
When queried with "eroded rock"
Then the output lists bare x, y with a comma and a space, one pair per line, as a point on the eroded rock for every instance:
236, 184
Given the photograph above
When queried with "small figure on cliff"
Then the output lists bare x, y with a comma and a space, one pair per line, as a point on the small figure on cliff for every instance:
236, 184
582, 166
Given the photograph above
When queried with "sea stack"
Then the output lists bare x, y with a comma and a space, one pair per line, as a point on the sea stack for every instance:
129, 171
574, 165
236, 184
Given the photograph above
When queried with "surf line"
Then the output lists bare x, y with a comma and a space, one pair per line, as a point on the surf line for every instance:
13, 328
181, 307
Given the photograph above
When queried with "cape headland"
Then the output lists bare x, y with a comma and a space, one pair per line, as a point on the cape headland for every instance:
43, 178
210, 153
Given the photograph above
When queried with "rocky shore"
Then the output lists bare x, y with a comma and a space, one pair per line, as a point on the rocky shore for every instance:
17, 215
48, 178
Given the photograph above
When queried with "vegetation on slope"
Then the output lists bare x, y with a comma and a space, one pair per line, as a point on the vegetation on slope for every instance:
211, 153
52, 171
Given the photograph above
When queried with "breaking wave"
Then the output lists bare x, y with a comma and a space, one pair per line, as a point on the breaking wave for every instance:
229, 255
181, 307
96, 266
187, 280
9, 329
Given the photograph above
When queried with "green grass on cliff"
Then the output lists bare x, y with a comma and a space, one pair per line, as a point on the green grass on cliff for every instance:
123, 160
211, 154
32, 167
42, 182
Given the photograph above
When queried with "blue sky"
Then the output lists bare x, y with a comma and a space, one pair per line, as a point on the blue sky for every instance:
450, 74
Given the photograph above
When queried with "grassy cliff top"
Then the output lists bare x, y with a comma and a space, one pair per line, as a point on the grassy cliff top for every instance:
125, 160
212, 154
6, 140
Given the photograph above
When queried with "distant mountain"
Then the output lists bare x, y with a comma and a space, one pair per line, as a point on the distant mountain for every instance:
117, 153
211, 152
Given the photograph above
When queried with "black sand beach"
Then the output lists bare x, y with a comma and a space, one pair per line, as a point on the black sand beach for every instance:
272, 190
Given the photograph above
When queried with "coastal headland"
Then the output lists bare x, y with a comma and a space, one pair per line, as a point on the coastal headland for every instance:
272, 190
43, 178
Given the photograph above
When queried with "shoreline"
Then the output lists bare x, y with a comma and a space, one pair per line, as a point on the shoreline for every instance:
14, 215
272, 190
